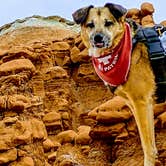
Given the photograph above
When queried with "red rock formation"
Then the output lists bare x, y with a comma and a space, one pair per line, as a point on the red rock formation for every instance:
54, 110
144, 15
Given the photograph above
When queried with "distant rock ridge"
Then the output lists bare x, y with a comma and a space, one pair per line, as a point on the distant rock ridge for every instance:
39, 21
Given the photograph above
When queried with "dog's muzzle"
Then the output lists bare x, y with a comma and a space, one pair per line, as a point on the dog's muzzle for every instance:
99, 40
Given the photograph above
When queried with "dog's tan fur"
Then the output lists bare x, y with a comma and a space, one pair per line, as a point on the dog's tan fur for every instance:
140, 86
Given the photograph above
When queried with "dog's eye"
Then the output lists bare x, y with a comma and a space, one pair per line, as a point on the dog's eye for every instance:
90, 25
108, 23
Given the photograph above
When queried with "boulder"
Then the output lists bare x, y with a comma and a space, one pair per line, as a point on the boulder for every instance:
67, 136
147, 9
8, 156
16, 66
83, 137
52, 119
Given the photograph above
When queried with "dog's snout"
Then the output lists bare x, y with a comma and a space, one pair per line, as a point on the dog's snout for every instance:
98, 38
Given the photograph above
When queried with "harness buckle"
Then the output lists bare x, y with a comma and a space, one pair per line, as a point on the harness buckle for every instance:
159, 28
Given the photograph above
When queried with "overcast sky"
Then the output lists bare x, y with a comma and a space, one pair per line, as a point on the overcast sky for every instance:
11, 10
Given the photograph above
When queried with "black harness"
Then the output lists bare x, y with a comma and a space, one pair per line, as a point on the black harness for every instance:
155, 40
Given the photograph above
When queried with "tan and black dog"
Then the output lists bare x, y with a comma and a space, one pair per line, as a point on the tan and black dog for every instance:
109, 40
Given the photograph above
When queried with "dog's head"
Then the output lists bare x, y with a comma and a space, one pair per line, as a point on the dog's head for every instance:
102, 27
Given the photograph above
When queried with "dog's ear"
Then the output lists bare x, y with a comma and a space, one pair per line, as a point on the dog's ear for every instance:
117, 10
80, 15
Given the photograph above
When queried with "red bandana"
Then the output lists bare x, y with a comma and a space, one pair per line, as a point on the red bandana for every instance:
113, 68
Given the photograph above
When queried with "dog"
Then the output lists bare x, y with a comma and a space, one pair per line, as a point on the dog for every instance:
108, 37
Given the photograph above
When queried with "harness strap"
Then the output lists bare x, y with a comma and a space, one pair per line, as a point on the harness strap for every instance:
157, 56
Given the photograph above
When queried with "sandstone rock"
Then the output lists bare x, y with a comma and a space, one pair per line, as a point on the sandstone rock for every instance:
106, 132
113, 116
6, 135
85, 70
60, 46
38, 129
66, 120
48, 145
65, 116
147, 9
3, 102
17, 103
122, 136
81, 46
163, 23
38, 86
162, 120
19, 52
16, 66
84, 55
47, 164
21, 153
4, 145
59, 61
159, 108
147, 21
61, 53
67, 162
85, 149
132, 127
28, 161
23, 133
14, 102
66, 61
8, 156
85, 73
79, 54
25, 161
78, 40
56, 72
74, 54
134, 13
93, 114
67, 136
116, 103
53, 119
52, 156
83, 137
10, 120
113, 111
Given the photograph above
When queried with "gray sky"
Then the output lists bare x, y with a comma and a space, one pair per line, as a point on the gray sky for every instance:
11, 10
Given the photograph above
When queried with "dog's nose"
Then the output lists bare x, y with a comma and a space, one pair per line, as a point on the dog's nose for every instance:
98, 38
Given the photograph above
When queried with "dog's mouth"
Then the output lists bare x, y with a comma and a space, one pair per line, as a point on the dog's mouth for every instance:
99, 45
99, 40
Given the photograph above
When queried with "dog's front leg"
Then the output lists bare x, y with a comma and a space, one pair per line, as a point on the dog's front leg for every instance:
139, 90
143, 113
